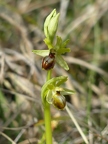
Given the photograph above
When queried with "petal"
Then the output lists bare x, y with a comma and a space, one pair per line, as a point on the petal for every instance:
49, 97
59, 101
66, 91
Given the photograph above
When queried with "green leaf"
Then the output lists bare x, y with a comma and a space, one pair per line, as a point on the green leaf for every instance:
62, 62
42, 53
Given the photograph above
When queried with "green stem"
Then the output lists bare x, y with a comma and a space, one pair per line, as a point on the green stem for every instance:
49, 74
47, 116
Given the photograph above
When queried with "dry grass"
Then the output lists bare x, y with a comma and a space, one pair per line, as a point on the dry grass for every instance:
21, 30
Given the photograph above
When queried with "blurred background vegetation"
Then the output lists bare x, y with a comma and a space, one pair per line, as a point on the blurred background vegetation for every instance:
85, 23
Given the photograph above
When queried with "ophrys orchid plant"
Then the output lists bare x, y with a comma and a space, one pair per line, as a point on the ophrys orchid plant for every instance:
52, 91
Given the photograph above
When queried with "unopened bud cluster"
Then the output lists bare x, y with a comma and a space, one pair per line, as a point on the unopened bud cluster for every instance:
51, 24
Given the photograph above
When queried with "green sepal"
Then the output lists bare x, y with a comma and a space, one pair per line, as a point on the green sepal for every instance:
62, 62
58, 43
60, 46
63, 50
64, 44
42, 53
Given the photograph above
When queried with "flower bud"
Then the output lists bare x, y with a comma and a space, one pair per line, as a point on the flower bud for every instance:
59, 101
48, 62
47, 21
52, 28
51, 24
